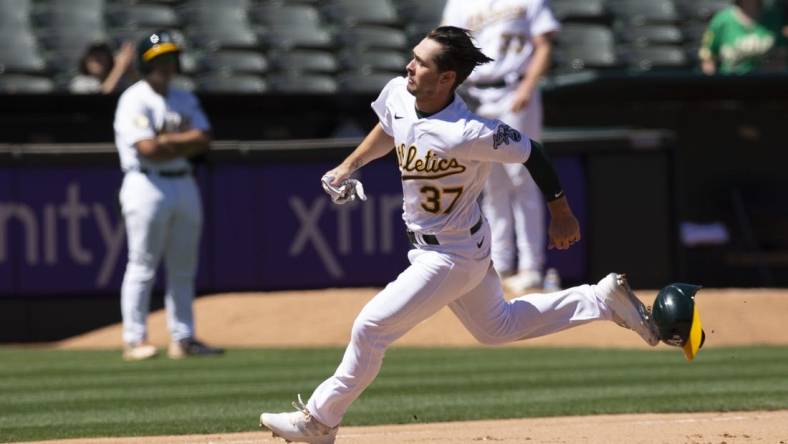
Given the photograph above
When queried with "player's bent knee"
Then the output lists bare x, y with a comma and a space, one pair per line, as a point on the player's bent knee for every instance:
368, 333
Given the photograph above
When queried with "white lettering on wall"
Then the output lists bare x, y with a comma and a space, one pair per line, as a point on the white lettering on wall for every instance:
41, 239
377, 235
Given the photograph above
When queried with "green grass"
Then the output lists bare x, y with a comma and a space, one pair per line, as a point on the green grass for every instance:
47, 394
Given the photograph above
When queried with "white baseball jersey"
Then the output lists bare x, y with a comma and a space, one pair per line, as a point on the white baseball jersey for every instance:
503, 29
444, 158
163, 214
142, 113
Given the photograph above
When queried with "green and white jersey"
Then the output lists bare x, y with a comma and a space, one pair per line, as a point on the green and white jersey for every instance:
739, 48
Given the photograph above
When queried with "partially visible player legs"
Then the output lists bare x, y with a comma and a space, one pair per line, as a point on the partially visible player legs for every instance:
430, 283
181, 266
497, 208
529, 210
493, 320
145, 211
515, 206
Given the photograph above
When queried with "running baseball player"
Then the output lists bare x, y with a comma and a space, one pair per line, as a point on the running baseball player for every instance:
445, 153
516, 33
157, 129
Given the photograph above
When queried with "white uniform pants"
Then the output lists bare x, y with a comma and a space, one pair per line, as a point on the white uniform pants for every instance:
512, 202
163, 218
472, 289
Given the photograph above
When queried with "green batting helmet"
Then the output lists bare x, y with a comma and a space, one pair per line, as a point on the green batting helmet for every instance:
155, 45
676, 315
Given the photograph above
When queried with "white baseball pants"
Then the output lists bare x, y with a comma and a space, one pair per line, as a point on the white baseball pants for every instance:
512, 201
472, 289
163, 218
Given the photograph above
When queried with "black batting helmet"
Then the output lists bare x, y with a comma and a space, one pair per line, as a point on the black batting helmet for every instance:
677, 318
155, 45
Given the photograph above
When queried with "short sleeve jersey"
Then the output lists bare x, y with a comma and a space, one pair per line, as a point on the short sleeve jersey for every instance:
740, 48
503, 30
444, 159
142, 114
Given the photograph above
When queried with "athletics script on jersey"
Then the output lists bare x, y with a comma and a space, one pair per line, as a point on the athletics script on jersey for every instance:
430, 167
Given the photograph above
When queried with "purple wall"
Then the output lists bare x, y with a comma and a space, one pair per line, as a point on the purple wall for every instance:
267, 226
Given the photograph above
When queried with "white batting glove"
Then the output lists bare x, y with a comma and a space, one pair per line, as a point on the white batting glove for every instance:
347, 191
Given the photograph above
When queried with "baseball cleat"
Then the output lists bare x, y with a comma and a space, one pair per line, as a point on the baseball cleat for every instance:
628, 311
191, 347
138, 351
298, 426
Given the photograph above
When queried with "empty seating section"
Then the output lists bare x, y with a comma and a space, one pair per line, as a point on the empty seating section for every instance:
326, 46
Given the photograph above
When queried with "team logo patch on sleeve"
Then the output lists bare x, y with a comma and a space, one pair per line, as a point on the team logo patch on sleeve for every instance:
504, 135
140, 121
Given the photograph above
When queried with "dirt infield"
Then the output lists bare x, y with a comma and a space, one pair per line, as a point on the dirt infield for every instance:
699, 428
730, 317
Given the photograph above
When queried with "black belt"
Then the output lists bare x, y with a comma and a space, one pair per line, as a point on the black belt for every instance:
431, 239
500, 83
170, 173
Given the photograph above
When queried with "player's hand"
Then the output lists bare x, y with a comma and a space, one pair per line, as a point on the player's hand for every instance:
564, 230
522, 97
338, 175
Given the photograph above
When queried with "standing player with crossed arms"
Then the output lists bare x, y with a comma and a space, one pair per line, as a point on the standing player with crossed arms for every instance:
157, 129
444, 153
517, 34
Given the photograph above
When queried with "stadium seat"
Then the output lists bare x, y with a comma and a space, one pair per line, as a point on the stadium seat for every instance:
235, 84
657, 58
224, 16
373, 37
587, 11
15, 14
374, 61
585, 35
287, 38
303, 84
21, 59
701, 10
222, 37
648, 35
360, 83
641, 12
284, 15
74, 18
585, 46
420, 10
25, 84
233, 61
72, 4
306, 61
217, 4
143, 15
70, 39
362, 12
20, 52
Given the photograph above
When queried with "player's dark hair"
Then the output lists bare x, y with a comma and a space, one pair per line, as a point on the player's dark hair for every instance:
459, 53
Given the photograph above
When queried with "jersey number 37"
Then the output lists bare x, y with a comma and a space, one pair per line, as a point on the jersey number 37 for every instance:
434, 196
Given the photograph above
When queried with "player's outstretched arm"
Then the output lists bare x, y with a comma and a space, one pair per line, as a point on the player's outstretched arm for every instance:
375, 145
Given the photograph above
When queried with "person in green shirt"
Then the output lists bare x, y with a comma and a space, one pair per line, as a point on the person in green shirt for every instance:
742, 37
